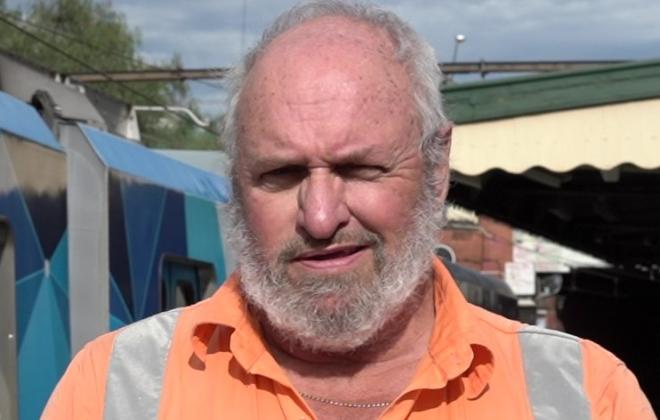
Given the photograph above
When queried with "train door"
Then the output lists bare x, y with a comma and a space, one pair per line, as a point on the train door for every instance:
8, 361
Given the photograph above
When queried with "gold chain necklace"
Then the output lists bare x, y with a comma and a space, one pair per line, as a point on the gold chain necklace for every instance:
345, 403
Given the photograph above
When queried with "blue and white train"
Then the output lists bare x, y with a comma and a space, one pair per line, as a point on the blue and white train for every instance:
96, 231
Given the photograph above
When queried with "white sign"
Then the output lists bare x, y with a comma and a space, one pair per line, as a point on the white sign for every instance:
521, 276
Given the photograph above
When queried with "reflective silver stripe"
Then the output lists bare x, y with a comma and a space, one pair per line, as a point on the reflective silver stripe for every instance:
137, 365
554, 374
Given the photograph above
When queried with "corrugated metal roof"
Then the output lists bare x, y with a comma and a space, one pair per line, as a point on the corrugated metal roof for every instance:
134, 159
527, 95
22, 120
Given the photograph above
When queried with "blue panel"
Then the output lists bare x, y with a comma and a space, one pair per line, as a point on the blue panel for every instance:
22, 120
45, 199
134, 159
116, 323
45, 353
203, 234
118, 308
173, 230
48, 215
61, 301
59, 264
29, 257
143, 208
118, 248
27, 290
171, 241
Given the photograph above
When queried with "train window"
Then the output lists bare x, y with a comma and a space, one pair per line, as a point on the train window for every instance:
185, 281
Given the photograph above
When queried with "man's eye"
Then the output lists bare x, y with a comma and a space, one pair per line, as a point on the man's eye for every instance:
361, 172
283, 178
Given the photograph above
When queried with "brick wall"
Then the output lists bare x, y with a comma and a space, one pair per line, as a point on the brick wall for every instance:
485, 247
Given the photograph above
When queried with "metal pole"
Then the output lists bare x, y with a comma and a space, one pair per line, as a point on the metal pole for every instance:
460, 38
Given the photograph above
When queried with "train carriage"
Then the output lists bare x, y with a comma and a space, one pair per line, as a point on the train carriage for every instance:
96, 232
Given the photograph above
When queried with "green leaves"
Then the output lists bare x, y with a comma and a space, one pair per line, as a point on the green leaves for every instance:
96, 34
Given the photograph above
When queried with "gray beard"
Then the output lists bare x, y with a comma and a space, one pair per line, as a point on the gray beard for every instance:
362, 302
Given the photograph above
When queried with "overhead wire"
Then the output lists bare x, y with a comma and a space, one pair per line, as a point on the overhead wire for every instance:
93, 69
95, 47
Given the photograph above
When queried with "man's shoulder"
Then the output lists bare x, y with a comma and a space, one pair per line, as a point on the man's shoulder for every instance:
592, 354
498, 328
495, 323
162, 322
101, 346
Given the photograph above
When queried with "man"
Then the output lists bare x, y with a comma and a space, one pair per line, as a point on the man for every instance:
338, 310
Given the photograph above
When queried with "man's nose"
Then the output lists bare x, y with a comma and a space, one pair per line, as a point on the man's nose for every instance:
322, 208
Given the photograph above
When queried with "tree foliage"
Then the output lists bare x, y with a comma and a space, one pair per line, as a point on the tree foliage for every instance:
99, 36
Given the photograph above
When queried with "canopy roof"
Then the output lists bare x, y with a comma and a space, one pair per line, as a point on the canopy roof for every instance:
601, 117
572, 156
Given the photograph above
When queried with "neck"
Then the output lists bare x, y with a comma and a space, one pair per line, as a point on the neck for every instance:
408, 330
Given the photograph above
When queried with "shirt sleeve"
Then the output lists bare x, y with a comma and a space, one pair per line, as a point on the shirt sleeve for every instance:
612, 388
80, 393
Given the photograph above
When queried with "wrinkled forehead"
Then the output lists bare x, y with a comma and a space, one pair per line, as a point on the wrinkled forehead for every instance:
328, 52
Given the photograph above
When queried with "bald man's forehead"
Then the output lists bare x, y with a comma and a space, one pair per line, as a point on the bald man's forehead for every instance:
322, 42
334, 30
343, 50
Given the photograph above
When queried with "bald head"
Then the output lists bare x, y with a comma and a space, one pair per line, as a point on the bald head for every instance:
326, 48
327, 70
329, 36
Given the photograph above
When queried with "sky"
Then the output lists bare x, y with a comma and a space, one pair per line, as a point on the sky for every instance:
213, 33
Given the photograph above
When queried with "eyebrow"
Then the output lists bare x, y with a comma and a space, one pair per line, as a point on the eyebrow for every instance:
357, 155
273, 161
377, 155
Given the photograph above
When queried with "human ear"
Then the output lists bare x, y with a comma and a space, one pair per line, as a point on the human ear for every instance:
443, 135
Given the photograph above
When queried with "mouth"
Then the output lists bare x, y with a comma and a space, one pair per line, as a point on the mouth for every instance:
335, 256
330, 253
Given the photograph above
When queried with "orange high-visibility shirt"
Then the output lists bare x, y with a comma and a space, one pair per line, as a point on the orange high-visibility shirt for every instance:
219, 367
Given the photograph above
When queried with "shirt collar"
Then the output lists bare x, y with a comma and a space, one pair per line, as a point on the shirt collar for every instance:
456, 349
227, 309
